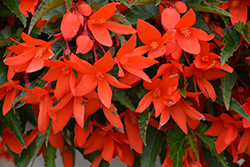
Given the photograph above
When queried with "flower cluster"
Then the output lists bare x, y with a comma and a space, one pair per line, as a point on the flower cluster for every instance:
110, 85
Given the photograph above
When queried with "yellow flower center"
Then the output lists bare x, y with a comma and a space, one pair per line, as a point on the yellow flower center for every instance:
100, 76
205, 58
40, 51
157, 93
65, 70
100, 21
235, 3
154, 45
185, 31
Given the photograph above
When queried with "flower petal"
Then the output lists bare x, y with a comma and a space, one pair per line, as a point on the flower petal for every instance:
145, 102
105, 63
104, 93
105, 12
128, 47
87, 84
167, 13
79, 110
238, 13
187, 20
70, 25
188, 44
114, 82
108, 148
200, 34
119, 28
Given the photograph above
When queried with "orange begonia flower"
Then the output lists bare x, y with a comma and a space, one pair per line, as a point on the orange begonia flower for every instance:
56, 140
84, 44
81, 134
99, 25
42, 98
97, 76
132, 63
238, 10
246, 107
10, 93
12, 141
187, 37
181, 112
133, 130
159, 94
151, 37
30, 58
226, 128
28, 5
112, 144
61, 72
202, 77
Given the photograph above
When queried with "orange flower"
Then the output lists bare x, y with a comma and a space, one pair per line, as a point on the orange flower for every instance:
81, 134
181, 112
151, 37
226, 128
10, 93
42, 98
202, 77
13, 142
67, 158
84, 44
28, 5
30, 58
159, 94
132, 63
97, 76
61, 72
238, 10
99, 25
133, 130
187, 37
112, 143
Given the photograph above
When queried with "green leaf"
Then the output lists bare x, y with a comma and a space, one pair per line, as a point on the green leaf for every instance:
142, 12
50, 156
57, 48
215, 2
51, 28
231, 42
236, 106
139, 90
243, 30
121, 18
209, 143
225, 20
11, 120
154, 142
15, 156
210, 159
192, 143
143, 123
143, 2
227, 83
68, 4
39, 142
203, 6
58, 10
13, 5
44, 7
26, 155
177, 143
5, 33
123, 99
3, 73
124, 2
5, 11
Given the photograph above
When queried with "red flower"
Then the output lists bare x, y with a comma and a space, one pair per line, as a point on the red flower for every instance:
28, 5
30, 58
99, 25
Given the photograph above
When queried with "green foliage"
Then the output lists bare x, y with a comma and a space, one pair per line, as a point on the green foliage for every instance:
177, 144
153, 147
50, 156
44, 7
231, 42
123, 99
227, 84
26, 155
208, 141
243, 30
143, 123
13, 5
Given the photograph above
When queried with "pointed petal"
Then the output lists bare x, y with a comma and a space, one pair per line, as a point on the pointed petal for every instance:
179, 116
220, 145
206, 88
187, 20
145, 102
200, 34
114, 82
191, 112
62, 86
108, 148
119, 28
86, 85
158, 105
215, 129
8, 100
165, 115
112, 116
244, 141
213, 74
138, 72
104, 93
128, 47
238, 13
188, 44
56, 140
33, 41
53, 74
167, 13
35, 65
43, 117
62, 103
105, 12
140, 62
70, 25
84, 66
105, 63
79, 110
167, 37
147, 33
231, 134
140, 50
101, 34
